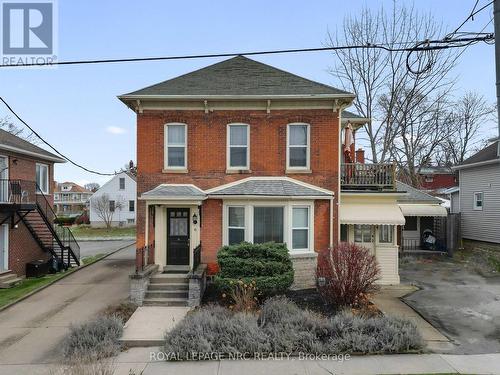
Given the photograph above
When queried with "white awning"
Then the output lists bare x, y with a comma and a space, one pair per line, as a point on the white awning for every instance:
371, 213
423, 209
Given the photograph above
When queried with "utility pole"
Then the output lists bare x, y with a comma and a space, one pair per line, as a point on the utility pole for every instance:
496, 17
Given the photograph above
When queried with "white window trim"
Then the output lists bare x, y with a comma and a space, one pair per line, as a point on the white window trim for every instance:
474, 201
308, 148
287, 220
124, 183
308, 228
48, 179
165, 148
382, 244
228, 147
245, 224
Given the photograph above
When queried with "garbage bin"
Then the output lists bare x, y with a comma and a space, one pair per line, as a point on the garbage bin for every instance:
36, 268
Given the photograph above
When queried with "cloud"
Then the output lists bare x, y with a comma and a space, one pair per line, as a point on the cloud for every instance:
115, 130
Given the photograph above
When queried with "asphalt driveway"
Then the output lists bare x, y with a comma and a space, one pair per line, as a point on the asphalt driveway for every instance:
30, 331
91, 248
459, 302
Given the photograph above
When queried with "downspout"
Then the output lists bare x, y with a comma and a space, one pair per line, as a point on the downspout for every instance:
340, 108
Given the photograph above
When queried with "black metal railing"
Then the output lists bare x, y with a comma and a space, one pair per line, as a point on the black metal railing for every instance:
368, 176
19, 192
144, 256
196, 257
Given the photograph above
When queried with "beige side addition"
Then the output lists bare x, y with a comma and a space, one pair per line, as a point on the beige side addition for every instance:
370, 220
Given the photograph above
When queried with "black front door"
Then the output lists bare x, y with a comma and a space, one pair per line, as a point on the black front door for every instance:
177, 236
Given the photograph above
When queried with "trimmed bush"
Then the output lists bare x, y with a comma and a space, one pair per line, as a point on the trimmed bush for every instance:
94, 340
268, 264
349, 272
282, 327
64, 220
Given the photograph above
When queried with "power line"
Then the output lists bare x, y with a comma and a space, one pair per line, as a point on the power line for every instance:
419, 46
49, 145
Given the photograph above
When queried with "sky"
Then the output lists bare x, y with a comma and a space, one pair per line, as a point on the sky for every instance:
76, 107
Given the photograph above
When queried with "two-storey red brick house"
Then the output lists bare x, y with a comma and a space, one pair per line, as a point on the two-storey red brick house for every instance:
242, 151
27, 230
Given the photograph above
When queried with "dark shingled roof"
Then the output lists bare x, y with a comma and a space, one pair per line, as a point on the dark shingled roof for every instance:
173, 191
10, 140
414, 195
239, 76
267, 187
486, 154
350, 115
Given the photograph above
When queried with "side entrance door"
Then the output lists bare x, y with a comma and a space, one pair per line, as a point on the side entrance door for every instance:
364, 235
177, 236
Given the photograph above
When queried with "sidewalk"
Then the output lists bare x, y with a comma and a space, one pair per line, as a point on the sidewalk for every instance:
375, 364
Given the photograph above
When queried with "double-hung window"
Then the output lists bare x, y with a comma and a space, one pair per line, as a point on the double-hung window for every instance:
236, 224
298, 147
122, 183
300, 228
175, 149
131, 206
238, 151
385, 234
112, 206
478, 200
42, 177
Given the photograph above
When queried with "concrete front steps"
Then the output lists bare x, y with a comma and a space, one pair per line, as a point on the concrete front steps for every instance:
167, 289
8, 279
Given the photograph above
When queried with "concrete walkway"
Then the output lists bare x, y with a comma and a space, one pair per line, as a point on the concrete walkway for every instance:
379, 364
31, 330
389, 302
148, 324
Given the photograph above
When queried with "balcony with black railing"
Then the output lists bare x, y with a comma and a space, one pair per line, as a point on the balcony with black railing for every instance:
360, 176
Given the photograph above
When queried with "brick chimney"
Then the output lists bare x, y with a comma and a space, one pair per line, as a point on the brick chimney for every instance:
360, 156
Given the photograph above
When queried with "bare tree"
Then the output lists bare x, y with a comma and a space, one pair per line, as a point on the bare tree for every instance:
105, 208
7, 125
384, 87
469, 114
92, 186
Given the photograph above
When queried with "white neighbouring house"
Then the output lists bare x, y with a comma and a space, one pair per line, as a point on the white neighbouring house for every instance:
121, 191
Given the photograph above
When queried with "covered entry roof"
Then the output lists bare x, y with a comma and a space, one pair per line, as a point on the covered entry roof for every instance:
174, 192
371, 213
423, 210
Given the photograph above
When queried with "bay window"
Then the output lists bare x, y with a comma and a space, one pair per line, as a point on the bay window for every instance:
238, 146
285, 222
298, 145
175, 146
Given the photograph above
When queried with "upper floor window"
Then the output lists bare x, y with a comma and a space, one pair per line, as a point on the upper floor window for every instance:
42, 177
122, 183
175, 146
478, 200
298, 146
238, 152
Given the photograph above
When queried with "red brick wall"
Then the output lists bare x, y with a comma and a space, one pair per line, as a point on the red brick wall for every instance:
207, 156
22, 247
439, 181
211, 232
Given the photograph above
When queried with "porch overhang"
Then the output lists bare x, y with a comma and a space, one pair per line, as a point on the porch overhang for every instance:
371, 214
423, 210
174, 194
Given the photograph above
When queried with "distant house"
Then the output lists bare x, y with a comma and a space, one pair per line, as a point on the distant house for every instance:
121, 193
26, 216
70, 199
436, 178
479, 195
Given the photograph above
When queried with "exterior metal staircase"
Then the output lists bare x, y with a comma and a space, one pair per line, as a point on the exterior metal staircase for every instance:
27, 204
